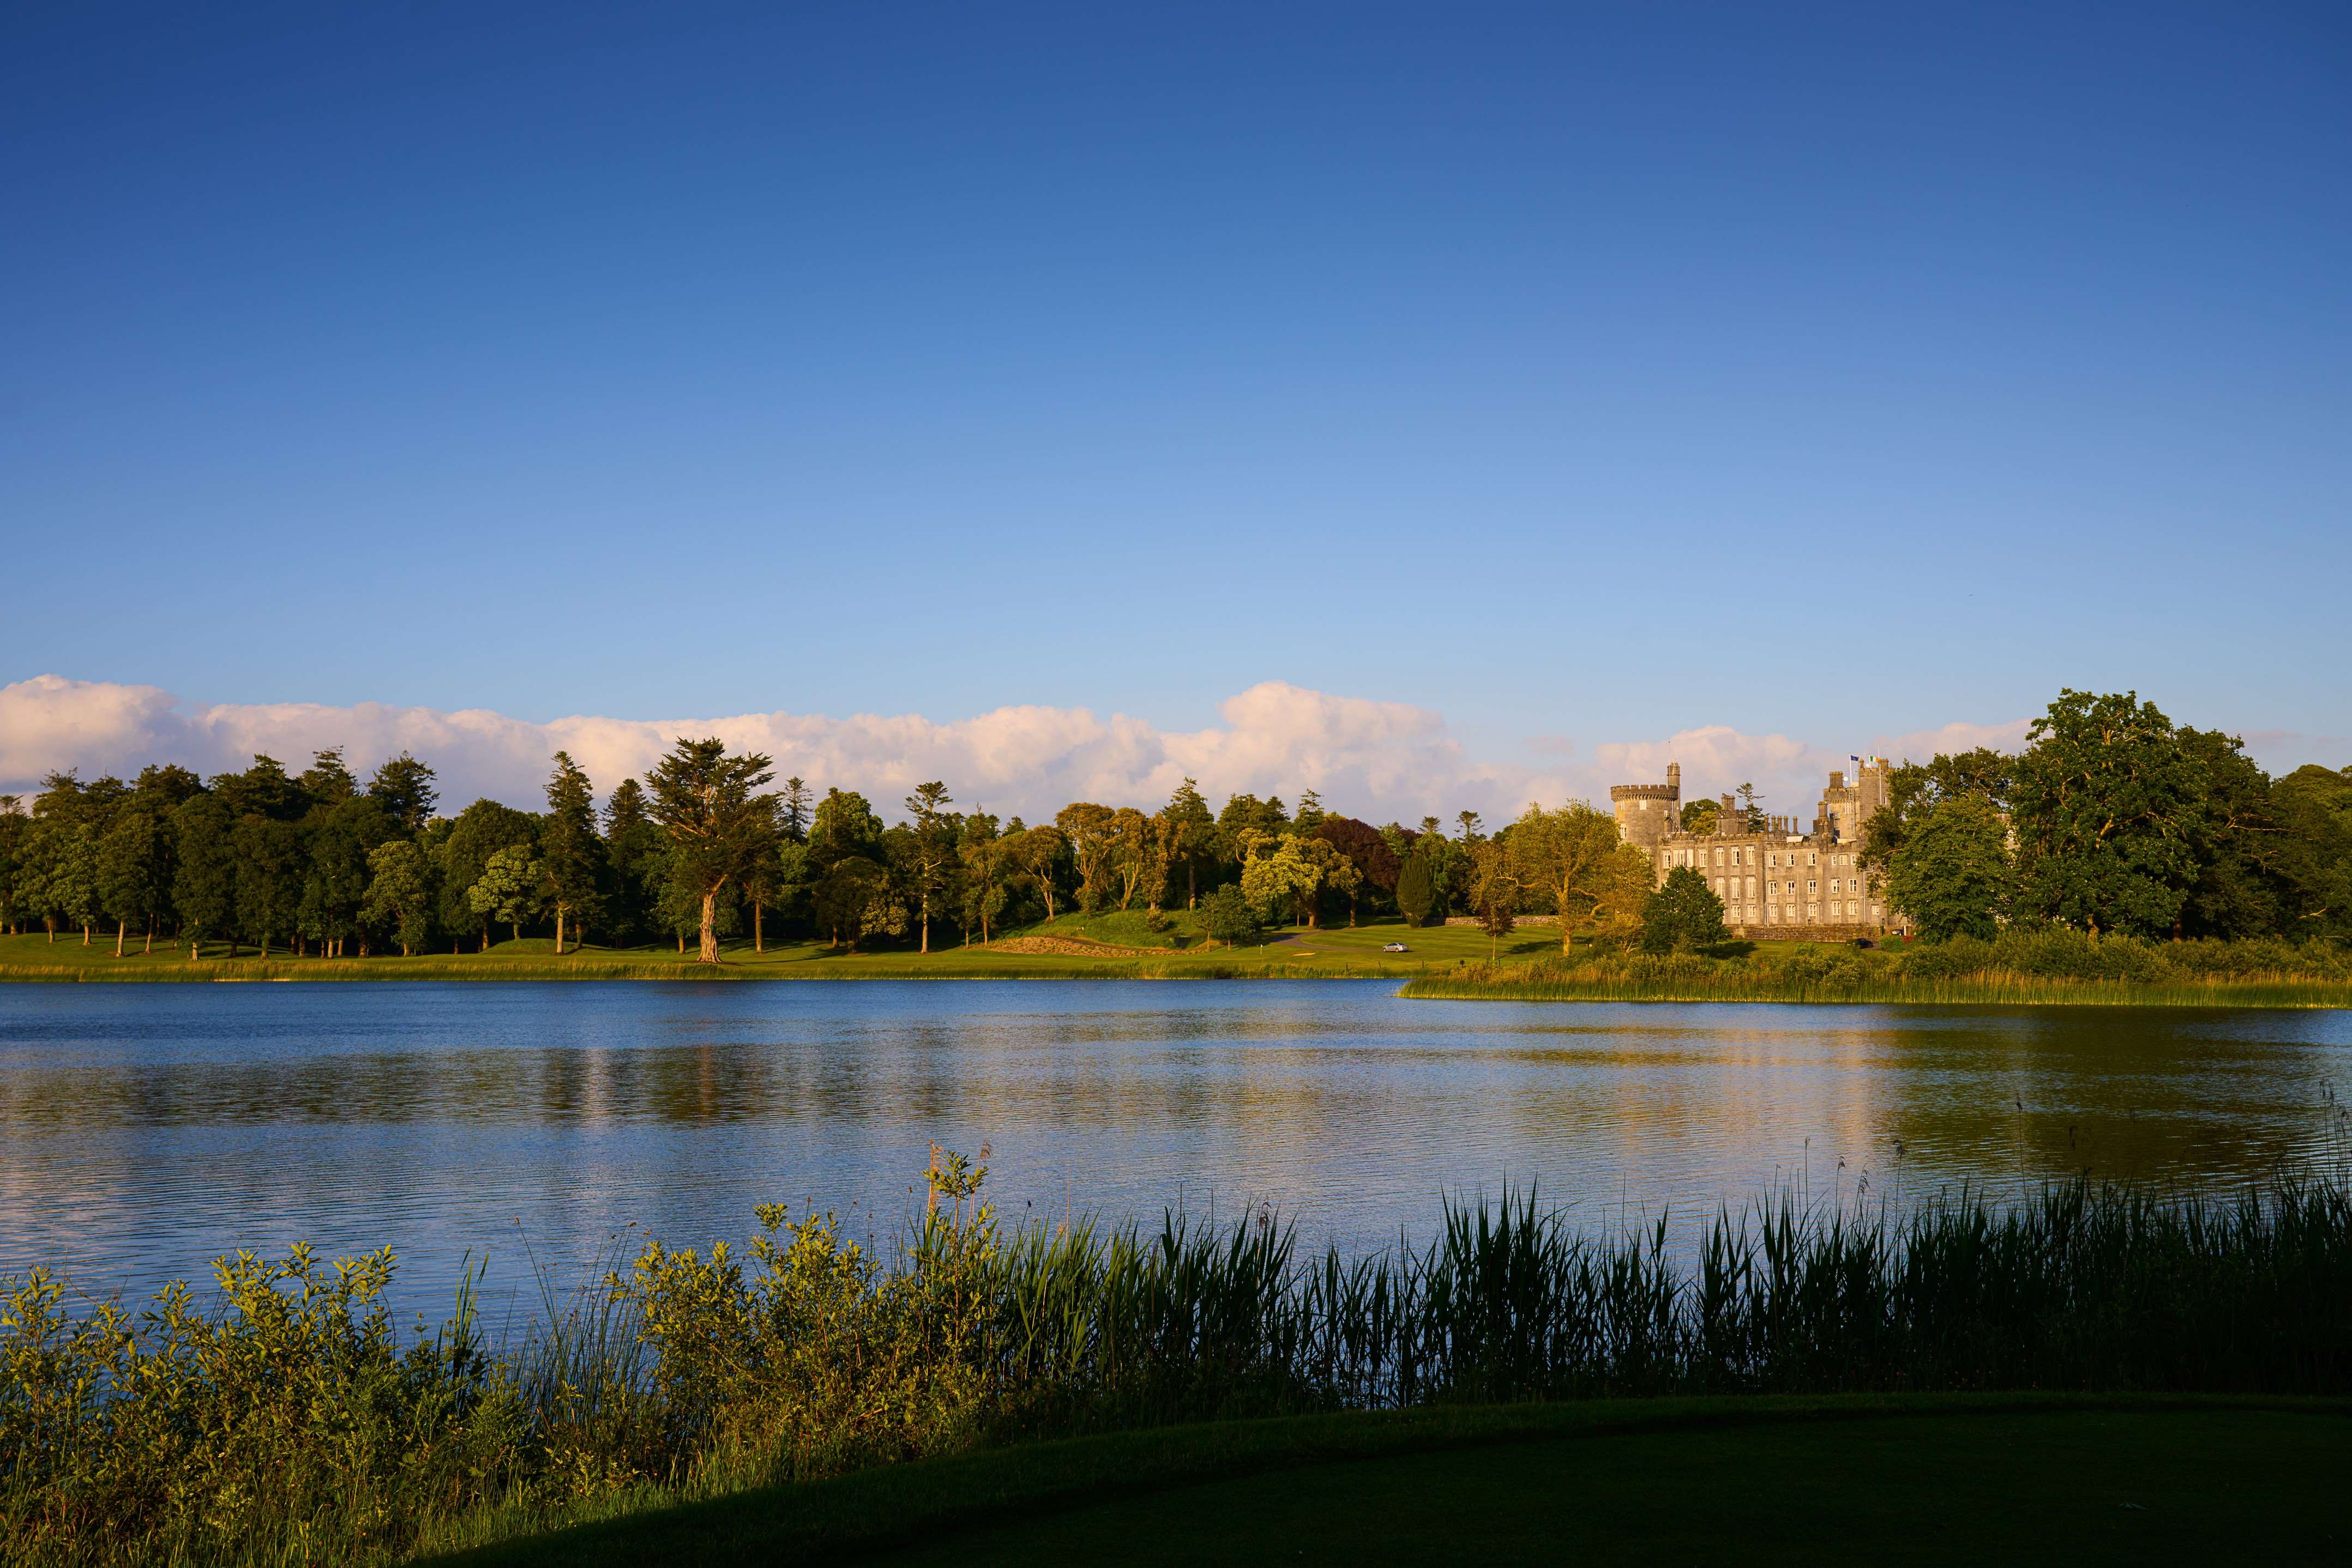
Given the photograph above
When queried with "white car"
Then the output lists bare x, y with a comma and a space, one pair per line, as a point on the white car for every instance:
1395, 947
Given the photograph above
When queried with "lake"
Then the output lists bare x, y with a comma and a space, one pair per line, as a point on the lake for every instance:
146, 1129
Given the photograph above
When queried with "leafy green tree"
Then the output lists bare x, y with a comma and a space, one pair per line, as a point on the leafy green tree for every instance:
134, 872
405, 788
1684, 912
1416, 894
512, 888
1039, 853
717, 822
571, 856
929, 857
262, 790
1914, 790
2241, 886
855, 900
1700, 816
15, 823
2108, 812
400, 892
204, 886
987, 864
1495, 890
1229, 916
1092, 833
480, 830
338, 840
1953, 876
2314, 808
162, 787
269, 867
1279, 876
1570, 857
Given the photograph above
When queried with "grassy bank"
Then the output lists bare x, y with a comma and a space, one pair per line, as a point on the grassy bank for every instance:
1114, 947
2005, 1478
289, 1419
2045, 969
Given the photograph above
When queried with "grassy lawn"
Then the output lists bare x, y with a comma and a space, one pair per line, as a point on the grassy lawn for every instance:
1137, 953
1913, 1478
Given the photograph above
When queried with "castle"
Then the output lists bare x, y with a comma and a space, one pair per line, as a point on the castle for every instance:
1774, 881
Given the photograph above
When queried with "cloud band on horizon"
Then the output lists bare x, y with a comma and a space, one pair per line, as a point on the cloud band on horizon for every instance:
1381, 760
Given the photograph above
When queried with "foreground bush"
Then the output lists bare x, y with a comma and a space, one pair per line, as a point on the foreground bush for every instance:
290, 1423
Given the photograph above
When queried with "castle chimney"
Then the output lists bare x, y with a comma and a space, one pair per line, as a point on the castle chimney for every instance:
1674, 776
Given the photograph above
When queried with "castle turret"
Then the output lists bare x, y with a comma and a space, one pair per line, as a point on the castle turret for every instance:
1646, 813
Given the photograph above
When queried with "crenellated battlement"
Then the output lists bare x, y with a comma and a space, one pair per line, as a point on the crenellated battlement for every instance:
1645, 791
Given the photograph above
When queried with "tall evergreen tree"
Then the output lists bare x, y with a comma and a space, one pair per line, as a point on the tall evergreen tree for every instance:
404, 788
571, 856
633, 847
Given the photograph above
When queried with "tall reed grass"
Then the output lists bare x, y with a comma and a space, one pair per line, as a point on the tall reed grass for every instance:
292, 1422
2042, 967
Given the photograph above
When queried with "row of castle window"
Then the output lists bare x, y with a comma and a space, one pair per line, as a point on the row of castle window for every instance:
1776, 890
1770, 914
1771, 858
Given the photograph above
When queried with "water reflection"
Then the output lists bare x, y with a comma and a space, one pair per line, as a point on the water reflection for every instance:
143, 1129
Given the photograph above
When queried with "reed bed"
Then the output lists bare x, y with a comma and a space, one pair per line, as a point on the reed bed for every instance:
292, 1421
2037, 969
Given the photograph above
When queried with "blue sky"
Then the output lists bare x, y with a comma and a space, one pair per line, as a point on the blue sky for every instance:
1589, 372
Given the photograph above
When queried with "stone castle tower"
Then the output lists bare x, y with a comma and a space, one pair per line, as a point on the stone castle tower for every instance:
1646, 813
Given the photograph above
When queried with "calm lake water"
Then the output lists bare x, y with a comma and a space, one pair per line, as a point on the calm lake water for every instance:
145, 1129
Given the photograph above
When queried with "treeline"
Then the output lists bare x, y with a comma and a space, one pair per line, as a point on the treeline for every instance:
2114, 819
321, 862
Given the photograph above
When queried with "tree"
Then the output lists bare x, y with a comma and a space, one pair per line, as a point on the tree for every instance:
1699, 816
1191, 834
717, 822
1571, 857
1952, 875
1038, 851
1367, 852
404, 788
13, 824
1684, 912
1751, 815
930, 852
400, 892
203, 887
571, 856
2239, 844
512, 888
1091, 830
793, 809
1134, 854
2107, 815
262, 790
1914, 790
134, 872
854, 896
482, 830
1279, 874
2313, 808
1494, 892
633, 851
987, 861
338, 840
1311, 813
1229, 916
270, 866
327, 782
1416, 895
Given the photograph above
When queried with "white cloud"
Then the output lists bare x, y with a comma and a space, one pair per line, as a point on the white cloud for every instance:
1375, 759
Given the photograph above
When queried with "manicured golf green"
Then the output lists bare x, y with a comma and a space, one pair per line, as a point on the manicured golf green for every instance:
1913, 1480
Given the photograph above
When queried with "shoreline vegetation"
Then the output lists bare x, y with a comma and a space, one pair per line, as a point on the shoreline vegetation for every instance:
2045, 969
292, 1421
